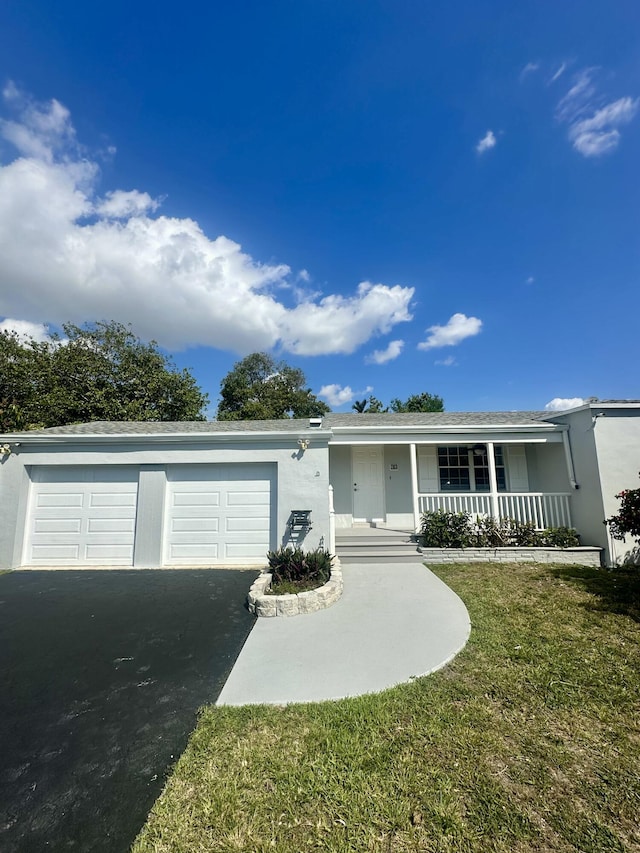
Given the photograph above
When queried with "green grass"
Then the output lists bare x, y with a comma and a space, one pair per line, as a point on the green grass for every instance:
528, 741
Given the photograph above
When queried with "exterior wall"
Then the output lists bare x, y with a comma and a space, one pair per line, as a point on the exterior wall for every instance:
605, 446
617, 440
14, 493
398, 499
341, 480
302, 482
547, 468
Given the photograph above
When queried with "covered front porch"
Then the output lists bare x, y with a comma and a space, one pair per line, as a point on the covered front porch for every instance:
389, 484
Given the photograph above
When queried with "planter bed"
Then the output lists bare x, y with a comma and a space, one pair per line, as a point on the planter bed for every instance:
583, 555
263, 604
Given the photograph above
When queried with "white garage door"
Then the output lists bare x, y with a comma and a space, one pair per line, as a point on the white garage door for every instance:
81, 516
217, 514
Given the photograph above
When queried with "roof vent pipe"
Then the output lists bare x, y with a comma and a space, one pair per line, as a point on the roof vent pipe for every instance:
315, 422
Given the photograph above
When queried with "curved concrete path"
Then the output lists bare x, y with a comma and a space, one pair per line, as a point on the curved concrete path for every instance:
394, 622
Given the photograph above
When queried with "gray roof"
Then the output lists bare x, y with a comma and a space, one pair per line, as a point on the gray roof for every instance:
435, 419
295, 425
173, 427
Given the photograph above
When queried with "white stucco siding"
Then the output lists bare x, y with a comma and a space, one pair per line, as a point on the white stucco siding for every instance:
617, 440
299, 480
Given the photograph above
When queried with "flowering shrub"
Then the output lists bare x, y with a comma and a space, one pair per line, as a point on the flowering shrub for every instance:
627, 521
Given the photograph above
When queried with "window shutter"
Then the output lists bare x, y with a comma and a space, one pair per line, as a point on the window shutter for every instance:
517, 468
428, 479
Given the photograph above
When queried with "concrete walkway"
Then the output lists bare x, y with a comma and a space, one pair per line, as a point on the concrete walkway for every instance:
393, 622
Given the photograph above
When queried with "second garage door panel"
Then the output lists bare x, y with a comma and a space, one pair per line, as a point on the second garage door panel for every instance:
218, 513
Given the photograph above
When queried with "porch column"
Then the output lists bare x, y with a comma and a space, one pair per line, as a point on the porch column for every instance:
414, 486
332, 523
493, 481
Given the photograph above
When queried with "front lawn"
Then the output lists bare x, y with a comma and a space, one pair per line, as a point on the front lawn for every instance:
528, 741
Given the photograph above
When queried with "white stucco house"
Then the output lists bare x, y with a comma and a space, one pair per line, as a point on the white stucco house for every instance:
223, 493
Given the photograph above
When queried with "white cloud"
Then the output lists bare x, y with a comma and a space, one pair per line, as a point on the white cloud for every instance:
119, 204
449, 361
530, 280
529, 68
559, 72
382, 356
488, 141
336, 395
456, 330
24, 329
340, 324
599, 133
593, 126
559, 404
71, 255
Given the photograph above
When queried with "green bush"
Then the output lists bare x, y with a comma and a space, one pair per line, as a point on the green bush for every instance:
293, 565
442, 529
561, 537
491, 533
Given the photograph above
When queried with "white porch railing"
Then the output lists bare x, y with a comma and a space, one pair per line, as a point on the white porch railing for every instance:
544, 509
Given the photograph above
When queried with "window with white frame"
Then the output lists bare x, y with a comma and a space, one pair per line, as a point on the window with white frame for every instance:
466, 469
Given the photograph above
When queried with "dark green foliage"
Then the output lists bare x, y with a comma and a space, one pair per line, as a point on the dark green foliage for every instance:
491, 532
100, 371
261, 388
561, 537
627, 521
294, 565
419, 403
415, 403
370, 405
442, 529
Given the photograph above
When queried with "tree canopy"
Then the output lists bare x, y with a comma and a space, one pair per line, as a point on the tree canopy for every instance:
100, 371
424, 402
415, 403
261, 388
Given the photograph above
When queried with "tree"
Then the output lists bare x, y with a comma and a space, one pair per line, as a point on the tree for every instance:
419, 403
99, 371
415, 403
369, 406
627, 521
261, 388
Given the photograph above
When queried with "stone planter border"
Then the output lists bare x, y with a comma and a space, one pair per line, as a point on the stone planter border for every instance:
296, 603
583, 555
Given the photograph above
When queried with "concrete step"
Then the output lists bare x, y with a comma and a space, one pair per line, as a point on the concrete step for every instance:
373, 542
390, 556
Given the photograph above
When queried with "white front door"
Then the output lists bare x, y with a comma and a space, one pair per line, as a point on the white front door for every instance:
368, 483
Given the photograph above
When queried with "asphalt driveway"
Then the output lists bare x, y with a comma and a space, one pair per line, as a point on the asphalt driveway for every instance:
101, 676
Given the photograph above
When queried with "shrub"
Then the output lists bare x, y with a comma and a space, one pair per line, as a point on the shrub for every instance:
442, 529
561, 537
523, 534
491, 533
293, 565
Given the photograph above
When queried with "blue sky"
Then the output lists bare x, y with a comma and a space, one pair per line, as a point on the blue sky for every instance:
396, 197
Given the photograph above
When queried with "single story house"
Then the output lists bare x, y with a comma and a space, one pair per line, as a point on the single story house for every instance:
223, 493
